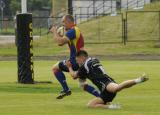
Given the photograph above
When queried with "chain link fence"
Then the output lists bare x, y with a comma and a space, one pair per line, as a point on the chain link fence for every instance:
139, 26
100, 31
143, 25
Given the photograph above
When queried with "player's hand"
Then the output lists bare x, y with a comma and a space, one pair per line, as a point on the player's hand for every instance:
53, 29
68, 63
75, 77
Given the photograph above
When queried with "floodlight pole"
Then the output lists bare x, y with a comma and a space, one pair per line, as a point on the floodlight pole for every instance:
70, 7
24, 6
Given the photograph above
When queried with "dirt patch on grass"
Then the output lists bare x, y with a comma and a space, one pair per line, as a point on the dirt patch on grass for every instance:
101, 57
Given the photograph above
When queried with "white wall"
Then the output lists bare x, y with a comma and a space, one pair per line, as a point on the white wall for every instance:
107, 7
133, 3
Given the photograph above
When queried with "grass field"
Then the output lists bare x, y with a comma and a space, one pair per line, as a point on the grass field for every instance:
39, 99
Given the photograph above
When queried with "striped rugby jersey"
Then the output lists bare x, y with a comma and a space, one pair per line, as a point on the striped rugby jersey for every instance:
76, 41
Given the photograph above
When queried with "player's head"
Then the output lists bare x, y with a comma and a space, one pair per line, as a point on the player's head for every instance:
81, 57
68, 21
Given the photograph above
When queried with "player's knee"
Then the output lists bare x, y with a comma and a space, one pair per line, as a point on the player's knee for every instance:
55, 69
91, 105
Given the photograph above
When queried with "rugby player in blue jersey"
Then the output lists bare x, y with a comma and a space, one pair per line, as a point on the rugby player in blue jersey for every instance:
73, 37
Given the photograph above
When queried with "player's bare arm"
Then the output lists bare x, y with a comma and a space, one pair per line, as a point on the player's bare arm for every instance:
59, 39
71, 72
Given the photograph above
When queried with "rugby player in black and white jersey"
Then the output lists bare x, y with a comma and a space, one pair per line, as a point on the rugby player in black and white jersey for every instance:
91, 68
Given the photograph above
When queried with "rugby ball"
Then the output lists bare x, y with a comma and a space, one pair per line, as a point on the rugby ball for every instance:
61, 31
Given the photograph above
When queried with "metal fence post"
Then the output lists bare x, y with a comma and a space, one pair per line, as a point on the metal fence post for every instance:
127, 4
40, 33
126, 27
137, 3
80, 13
87, 13
159, 25
103, 6
111, 6
94, 10
144, 2
70, 7
75, 18
124, 30
99, 31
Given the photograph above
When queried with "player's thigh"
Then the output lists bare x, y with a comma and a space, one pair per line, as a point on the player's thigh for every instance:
112, 87
95, 101
62, 66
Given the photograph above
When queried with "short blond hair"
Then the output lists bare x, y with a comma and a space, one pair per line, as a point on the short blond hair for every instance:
69, 18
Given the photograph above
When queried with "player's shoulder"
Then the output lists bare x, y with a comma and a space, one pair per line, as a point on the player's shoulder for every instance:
76, 27
88, 63
92, 60
71, 34
71, 30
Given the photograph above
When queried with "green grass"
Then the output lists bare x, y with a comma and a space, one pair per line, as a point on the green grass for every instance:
39, 99
47, 47
11, 30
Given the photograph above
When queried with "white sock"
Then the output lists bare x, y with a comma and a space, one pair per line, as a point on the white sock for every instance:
114, 106
110, 106
138, 80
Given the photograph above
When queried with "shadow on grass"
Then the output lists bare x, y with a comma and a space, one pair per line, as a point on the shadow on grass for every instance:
34, 88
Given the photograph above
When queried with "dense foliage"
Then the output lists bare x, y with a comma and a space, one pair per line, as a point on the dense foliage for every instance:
12, 6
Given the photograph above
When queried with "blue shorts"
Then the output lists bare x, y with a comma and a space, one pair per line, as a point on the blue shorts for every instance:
63, 66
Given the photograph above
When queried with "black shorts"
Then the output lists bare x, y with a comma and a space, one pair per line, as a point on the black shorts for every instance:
105, 95
63, 66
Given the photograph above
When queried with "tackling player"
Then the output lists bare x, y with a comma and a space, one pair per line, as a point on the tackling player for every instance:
74, 39
92, 69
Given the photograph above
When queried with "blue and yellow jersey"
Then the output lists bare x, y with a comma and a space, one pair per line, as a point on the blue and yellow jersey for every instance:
76, 41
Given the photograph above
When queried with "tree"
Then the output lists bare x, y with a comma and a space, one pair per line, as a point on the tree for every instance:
15, 6
38, 4
12, 6
7, 10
